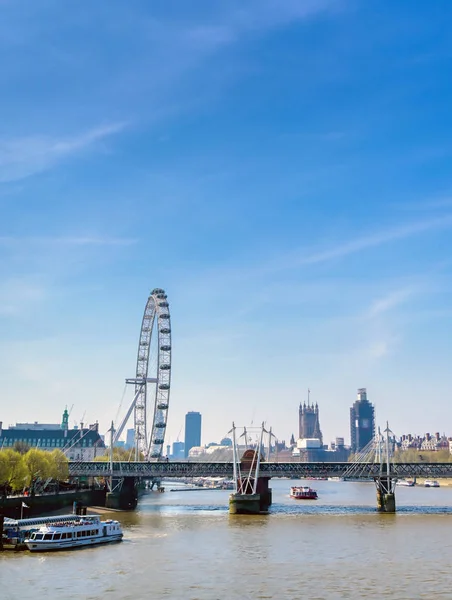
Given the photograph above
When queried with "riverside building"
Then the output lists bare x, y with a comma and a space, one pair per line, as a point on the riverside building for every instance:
82, 443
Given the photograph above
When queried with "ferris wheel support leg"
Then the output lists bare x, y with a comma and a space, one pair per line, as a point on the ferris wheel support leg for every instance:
126, 418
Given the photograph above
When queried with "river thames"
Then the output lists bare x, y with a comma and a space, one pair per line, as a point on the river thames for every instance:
185, 545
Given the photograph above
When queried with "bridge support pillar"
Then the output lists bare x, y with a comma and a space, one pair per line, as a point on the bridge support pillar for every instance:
123, 494
253, 495
265, 493
385, 494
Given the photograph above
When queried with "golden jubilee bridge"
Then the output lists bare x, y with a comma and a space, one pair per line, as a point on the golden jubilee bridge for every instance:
377, 462
164, 470
124, 477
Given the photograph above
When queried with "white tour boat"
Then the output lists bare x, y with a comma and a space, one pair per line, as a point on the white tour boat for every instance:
303, 493
431, 483
74, 533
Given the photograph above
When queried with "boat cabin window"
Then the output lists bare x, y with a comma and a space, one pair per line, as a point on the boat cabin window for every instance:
48, 536
79, 534
57, 536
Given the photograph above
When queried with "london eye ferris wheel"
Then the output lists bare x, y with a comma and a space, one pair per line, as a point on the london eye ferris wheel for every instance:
152, 381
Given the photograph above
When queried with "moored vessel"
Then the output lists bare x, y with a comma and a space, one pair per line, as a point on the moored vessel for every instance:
431, 483
406, 482
74, 533
303, 493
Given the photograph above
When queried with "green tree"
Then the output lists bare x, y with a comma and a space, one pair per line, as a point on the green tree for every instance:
120, 454
37, 465
415, 455
59, 469
16, 472
4, 469
21, 447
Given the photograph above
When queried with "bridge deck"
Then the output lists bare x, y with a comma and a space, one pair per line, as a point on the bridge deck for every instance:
151, 470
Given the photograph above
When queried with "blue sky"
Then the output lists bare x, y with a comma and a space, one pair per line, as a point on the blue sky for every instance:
280, 168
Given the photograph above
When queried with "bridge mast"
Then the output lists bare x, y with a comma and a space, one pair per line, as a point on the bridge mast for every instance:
385, 482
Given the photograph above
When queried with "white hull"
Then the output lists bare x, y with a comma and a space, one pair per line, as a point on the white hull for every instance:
74, 532
37, 546
405, 483
303, 493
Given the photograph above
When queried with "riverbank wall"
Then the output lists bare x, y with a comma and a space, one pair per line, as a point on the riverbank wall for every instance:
11, 506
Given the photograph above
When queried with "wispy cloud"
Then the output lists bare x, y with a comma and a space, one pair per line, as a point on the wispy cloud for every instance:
67, 241
444, 202
380, 238
390, 301
215, 281
238, 19
25, 156
380, 348
17, 293
261, 15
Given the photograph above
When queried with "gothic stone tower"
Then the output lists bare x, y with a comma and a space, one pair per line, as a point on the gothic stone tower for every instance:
309, 421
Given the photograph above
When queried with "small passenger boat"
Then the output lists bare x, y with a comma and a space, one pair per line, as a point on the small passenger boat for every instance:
431, 483
406, 482
80, 531
303, 493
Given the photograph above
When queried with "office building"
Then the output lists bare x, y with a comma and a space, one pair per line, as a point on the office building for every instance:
178, 450
192, 431
130, 439
362, 422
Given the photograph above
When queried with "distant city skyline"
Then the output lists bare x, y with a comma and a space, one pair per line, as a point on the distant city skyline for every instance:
281, 169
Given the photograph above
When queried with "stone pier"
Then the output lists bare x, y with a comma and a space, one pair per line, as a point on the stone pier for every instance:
124, 494
385, 494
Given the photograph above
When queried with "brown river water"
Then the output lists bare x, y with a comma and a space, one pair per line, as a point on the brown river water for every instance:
185, 545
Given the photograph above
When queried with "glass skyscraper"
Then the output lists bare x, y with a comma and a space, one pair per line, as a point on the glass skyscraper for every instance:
192, 431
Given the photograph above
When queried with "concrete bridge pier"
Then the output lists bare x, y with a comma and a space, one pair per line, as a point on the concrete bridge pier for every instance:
265, 493
254, 498
253, 495
385, 494
123, 494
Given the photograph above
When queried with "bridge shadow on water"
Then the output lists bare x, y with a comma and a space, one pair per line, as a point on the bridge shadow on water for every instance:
316, 509
300, 509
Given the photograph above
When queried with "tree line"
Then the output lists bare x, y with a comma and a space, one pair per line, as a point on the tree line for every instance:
120, 454
20, 470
